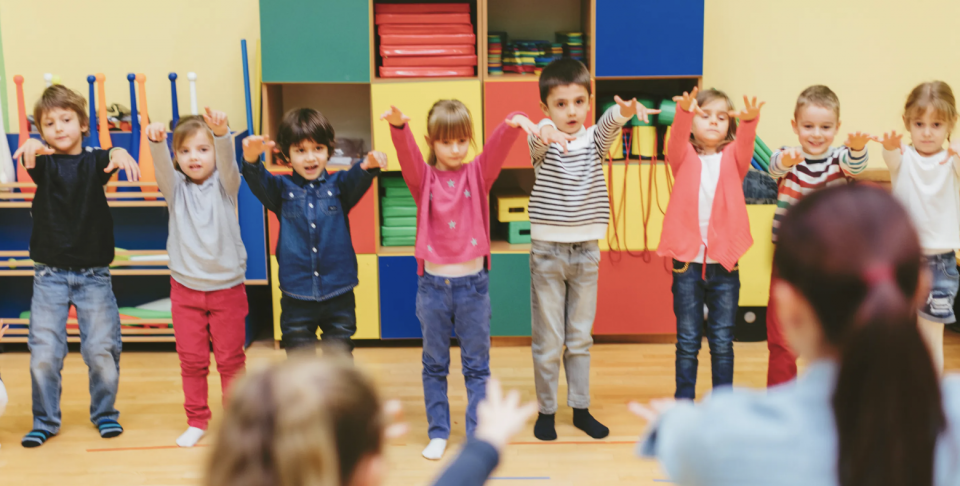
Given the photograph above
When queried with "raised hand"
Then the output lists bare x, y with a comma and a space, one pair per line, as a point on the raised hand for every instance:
120, 159
393, 413
30, 150
254, 145
395, 117
156, 132
891, 141
634, 107
650, 413
688, 101
951, 152
217, 121
373, 160
520, 121
500, 417
550, 135
791, 157
858, 141
750, 111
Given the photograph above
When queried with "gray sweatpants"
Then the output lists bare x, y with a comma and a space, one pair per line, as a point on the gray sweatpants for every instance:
563, 303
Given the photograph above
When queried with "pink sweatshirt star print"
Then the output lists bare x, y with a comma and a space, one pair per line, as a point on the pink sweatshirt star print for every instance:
453, 208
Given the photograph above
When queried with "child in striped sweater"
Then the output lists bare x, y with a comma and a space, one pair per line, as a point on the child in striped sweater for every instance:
569, 211
815, 165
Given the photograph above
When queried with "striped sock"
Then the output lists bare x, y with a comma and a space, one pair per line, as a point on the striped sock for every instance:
35, 438
109, 428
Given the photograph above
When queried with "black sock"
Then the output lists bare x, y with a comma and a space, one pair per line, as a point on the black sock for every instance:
35, 438
544, 428
585, 422
109, 428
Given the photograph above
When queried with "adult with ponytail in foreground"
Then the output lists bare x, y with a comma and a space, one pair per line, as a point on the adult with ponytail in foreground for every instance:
869, 409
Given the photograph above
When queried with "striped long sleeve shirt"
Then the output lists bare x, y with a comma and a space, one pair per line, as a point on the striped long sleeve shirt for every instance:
569, 202
833, 168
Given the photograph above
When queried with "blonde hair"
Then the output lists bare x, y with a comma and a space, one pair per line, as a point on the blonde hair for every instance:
304, 422
705, 97
936, 94
187, 127
818, 95
448, 119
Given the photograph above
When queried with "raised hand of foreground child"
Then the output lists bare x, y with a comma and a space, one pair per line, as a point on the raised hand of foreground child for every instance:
634, 107
520, 121
373, 160
254, 145
217, 121
30, 150
791, 157
156, 132
550, 135
858, 141
650, 413
891, 141
750, 111
395, 117
499, 418
688, 101
120, 159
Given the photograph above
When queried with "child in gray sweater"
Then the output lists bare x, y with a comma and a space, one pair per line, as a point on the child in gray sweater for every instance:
207, 259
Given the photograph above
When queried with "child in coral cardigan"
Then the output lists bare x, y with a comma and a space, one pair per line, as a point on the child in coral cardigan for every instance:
706, 229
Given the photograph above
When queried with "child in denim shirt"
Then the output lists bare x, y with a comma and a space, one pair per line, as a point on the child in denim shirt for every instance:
318, 266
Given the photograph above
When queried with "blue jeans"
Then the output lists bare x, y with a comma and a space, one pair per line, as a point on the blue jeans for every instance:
299, 320
939, 304
91, 291
720, 291
445, 305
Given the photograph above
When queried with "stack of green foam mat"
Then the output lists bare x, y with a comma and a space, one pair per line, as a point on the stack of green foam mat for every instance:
762, 154
637, 122
398, 212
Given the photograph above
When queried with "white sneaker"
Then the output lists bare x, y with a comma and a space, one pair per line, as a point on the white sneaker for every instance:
435, 449
190, 437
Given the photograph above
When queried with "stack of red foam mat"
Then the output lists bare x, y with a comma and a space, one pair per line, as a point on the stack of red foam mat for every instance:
426, 40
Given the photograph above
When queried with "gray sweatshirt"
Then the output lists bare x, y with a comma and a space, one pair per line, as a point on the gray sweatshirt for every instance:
206, 252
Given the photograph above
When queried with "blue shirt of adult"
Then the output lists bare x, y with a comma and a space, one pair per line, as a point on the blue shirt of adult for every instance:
314, 251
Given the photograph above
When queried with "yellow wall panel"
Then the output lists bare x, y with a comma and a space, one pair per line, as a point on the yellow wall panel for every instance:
367, 294
756, 265
414, 99
630, 218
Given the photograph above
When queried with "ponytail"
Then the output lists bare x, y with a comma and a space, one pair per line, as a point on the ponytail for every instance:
854, 255
887, 398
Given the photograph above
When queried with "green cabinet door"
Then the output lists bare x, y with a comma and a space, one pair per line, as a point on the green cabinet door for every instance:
315, 41
510, 295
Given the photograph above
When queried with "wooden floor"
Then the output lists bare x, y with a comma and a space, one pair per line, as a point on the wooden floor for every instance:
151, 409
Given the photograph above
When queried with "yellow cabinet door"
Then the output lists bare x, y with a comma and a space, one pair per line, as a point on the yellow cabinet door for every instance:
756, 265
414, 99
367, 296
641, 197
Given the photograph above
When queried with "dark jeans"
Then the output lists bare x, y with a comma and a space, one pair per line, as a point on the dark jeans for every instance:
720, 291
445, 305
336, 317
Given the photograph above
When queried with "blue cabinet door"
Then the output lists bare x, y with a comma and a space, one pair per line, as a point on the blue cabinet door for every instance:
671, 43
398, 298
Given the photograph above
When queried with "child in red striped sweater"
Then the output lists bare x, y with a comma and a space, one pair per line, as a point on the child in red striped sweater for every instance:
814, 165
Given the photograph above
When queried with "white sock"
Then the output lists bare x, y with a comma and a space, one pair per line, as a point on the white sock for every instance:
3, 398
435, 449
190, 437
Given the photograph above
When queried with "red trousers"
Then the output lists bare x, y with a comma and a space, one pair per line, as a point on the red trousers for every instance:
199, 318
782, 366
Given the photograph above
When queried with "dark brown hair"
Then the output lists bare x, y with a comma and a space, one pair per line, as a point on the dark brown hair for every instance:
187, 127
60, 96
563, 72
301, 124
853, 253
818, 95
303, 422
707, 96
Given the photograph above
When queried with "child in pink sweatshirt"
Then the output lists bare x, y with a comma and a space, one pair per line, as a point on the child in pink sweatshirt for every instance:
453, 239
